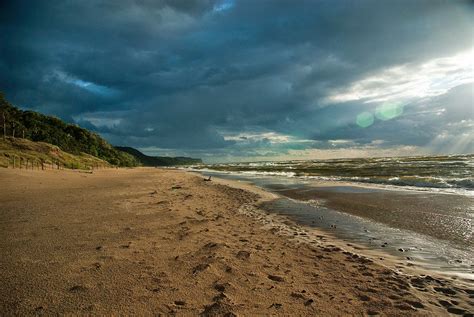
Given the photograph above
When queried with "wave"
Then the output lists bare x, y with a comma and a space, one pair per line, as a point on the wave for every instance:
448, 173
417, 181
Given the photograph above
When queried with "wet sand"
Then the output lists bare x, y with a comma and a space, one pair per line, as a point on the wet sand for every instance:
151, 242
443, 216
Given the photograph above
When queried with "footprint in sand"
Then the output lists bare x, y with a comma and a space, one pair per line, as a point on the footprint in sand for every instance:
78, 289
218, 308
456, 311
243, 255
220, 287
364, 298
446, 291
199, 268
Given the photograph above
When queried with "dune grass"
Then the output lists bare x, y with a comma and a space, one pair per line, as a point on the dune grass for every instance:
36, 153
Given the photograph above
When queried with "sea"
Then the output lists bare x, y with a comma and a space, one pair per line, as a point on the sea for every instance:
452, 173
419, 209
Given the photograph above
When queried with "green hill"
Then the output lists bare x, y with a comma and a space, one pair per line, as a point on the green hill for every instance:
69, 138
158, 160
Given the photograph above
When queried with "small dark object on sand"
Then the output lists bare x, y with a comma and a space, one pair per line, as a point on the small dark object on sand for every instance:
176, 187
276, 278
308, 302
276, 305
207, 179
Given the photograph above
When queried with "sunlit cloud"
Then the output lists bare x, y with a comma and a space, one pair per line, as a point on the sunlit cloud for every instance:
403, 83
86, 85
223, 5
272, 137
100, 119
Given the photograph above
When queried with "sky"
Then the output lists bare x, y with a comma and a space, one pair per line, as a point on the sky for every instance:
247, 80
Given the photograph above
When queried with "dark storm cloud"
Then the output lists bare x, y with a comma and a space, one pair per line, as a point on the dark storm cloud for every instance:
183, 75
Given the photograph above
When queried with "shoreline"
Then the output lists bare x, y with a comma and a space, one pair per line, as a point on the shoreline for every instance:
411, 225
146, 241
342, 183
290, 228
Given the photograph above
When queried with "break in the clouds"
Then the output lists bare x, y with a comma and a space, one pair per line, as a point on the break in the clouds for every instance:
248, 80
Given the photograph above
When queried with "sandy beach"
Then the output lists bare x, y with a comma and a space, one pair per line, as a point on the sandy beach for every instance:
151, 241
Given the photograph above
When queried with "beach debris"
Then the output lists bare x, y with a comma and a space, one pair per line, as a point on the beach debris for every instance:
276, 278
401, 250
297, 295
210, 245
308, 302
179, 302
276, 305
176, 187
207, 179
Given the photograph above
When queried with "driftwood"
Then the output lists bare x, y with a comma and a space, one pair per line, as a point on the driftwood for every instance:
207, 179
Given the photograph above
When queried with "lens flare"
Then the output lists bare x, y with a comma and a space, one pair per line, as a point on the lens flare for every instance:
389, 111
365, 119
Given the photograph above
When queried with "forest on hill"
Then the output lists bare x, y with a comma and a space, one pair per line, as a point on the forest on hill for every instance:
70, 138
146, 160
34, 126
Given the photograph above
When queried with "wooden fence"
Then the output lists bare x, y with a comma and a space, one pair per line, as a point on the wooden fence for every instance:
37, 164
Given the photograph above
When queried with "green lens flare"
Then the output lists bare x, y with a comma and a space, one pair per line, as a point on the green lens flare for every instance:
365, 119
388, 111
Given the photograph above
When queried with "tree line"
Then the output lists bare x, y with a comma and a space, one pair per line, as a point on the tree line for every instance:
68, 137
